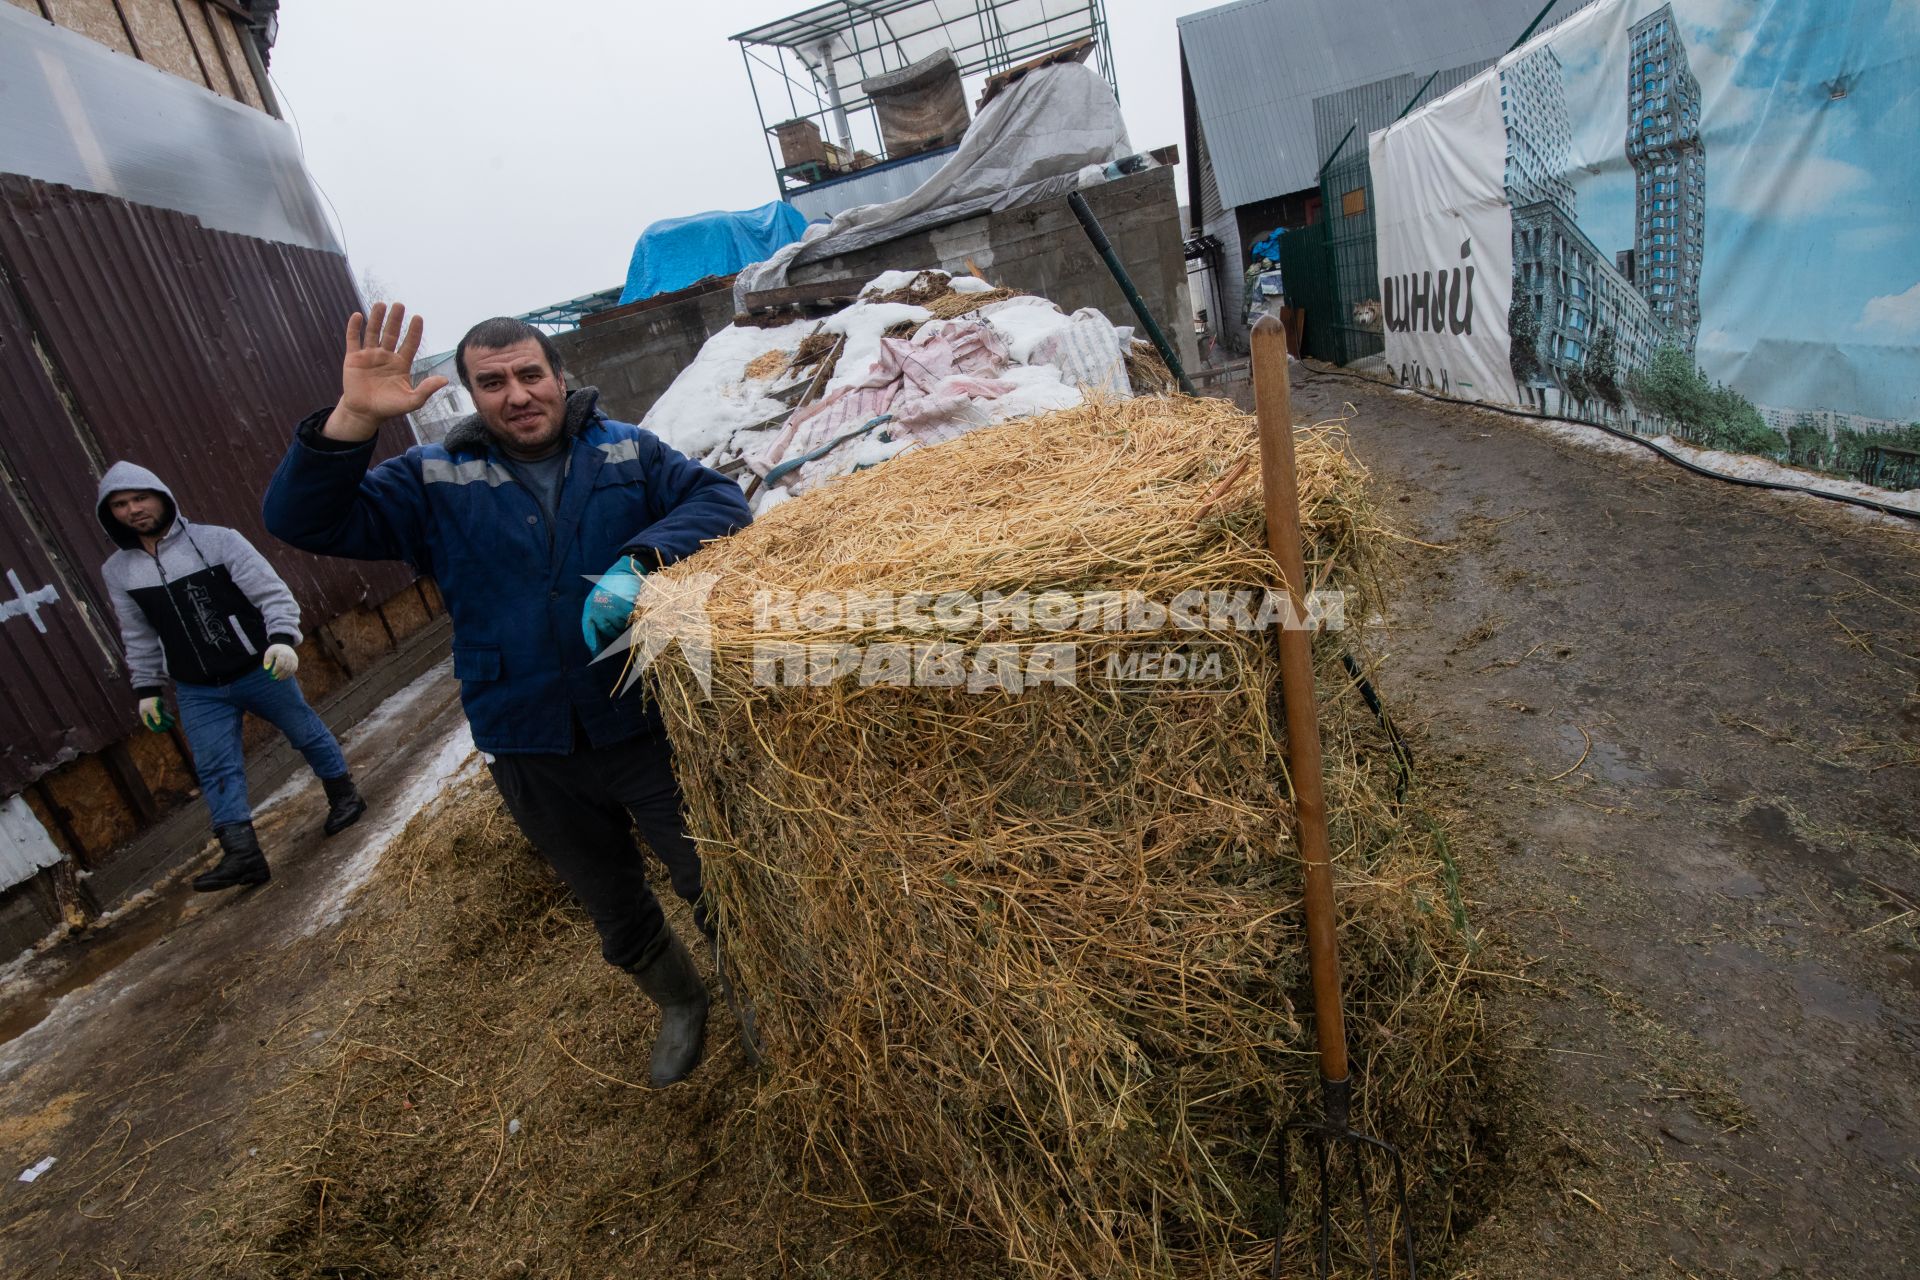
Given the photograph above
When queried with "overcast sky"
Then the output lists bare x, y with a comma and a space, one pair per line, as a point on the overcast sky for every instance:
487, 157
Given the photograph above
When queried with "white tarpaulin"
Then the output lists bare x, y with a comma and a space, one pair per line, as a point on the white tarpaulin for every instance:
1695, 216
902, 379
1446, 245
1029, 142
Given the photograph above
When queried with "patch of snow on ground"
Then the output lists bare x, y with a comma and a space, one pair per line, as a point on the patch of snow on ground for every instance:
1748, 467
73, 1008
1739, 465
888, 281
435, 772
969, 284
1592, 438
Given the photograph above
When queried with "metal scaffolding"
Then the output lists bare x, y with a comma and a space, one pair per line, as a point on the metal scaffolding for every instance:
814, 62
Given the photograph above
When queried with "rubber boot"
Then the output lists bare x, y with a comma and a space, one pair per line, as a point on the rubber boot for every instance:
671, 981
344, 805
241, 861
741, 1006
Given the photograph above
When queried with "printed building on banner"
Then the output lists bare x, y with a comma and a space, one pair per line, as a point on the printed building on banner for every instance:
1594, 316
1579, 302
1777, 295
1670, 175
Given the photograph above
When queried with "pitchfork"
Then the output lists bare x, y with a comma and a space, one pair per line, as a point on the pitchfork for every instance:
1332, 1131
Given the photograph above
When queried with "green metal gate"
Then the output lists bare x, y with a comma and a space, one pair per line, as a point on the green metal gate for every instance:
1346, 216
1306, 264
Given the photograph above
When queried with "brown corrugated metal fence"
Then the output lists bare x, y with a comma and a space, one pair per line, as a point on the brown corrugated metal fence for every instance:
133, 332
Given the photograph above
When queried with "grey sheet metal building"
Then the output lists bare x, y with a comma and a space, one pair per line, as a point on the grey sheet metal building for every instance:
1273, 87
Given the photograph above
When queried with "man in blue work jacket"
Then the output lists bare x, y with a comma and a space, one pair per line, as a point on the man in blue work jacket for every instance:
537, 516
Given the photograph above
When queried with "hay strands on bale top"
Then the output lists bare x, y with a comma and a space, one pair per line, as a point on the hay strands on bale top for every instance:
1332, 1130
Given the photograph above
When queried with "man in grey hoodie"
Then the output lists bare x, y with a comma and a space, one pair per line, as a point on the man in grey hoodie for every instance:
199, 603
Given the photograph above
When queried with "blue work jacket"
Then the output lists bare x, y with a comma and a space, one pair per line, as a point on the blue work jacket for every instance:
514, 582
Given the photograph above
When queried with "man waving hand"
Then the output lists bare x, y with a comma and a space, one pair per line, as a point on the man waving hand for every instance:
518, 514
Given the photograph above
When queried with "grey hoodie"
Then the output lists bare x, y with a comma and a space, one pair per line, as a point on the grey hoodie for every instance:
203, 606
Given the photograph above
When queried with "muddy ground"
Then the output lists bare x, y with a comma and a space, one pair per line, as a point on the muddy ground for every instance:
132, 1054
1675, 726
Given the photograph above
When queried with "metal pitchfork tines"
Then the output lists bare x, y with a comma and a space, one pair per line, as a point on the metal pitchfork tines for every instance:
1332, 1133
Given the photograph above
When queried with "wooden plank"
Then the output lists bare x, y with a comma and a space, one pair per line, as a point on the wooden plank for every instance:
97, 20
705, 285
998, 82
193, 46
132, 787
842, 292
227, 36
161, 34
200, 26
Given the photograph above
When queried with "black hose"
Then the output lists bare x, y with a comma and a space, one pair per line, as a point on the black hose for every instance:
1402, 755
1674, 458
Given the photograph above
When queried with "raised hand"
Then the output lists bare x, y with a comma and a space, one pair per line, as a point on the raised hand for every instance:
376, 378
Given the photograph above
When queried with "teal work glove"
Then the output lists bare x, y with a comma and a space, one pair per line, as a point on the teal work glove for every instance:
609, 608
153, 714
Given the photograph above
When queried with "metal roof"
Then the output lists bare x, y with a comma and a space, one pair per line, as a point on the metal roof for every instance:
1258, 65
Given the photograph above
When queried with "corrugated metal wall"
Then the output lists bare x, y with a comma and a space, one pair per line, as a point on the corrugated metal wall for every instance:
128, 331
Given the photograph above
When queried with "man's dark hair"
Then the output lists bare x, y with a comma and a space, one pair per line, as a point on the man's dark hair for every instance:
504, 331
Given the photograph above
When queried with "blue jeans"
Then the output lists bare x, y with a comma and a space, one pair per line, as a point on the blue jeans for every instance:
211, 713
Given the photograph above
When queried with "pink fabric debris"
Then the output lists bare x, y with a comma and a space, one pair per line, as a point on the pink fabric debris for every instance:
932, 380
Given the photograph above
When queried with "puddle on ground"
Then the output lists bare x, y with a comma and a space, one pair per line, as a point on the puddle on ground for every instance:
78, 963
1772, 826
1606, 761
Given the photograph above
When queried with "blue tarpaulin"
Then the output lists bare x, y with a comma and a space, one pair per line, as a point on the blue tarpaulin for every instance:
675, 252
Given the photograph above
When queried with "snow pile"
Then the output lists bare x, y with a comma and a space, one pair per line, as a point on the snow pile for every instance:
713, 400
1743, 466
882, 376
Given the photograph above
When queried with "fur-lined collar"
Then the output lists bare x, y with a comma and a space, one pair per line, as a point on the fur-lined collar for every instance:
470, 433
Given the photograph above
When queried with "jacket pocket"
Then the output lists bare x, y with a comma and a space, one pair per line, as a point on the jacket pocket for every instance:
476, 662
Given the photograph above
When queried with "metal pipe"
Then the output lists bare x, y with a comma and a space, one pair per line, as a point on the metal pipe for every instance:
1091, 226
831, 78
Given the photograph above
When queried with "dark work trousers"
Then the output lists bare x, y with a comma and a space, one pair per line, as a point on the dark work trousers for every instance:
580, 811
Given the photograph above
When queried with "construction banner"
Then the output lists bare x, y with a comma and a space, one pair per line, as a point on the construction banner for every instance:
1696, 216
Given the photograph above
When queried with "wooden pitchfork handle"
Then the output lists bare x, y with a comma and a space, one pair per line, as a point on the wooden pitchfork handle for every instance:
1273, 405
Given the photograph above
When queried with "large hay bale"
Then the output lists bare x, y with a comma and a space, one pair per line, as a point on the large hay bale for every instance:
1034, 959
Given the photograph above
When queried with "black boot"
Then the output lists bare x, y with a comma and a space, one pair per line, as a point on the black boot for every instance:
241, 861
672, 982
344, 805
741, 1006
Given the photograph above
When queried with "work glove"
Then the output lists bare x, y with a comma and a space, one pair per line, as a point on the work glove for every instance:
153, 714
609, 608
280, 661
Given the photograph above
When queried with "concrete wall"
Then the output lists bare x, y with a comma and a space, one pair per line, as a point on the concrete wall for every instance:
1037, 248
635, 356
1040, 248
